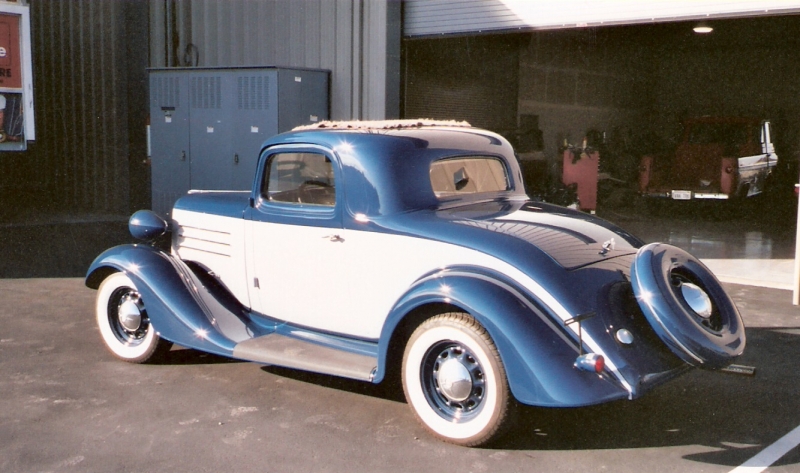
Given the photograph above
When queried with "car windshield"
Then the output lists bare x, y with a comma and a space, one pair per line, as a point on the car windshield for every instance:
468, 175
731, 134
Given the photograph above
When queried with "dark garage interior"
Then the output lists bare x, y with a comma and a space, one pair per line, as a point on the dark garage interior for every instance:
631, 85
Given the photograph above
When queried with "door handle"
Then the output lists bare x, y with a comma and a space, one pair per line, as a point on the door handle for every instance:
334, 238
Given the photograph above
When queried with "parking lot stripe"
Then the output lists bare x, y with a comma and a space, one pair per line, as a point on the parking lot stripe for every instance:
771, 454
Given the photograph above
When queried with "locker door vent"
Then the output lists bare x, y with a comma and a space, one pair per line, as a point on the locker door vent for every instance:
167, 93
253, 93
206, 92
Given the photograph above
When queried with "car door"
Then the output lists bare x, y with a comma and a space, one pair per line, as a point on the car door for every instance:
295, 237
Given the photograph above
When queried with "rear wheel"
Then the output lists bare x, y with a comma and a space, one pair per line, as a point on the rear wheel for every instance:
123, 322
455, 382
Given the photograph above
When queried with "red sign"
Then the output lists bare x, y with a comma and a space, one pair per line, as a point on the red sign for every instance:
10, 52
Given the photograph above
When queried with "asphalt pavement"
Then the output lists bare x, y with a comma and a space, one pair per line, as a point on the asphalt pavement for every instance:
67, 405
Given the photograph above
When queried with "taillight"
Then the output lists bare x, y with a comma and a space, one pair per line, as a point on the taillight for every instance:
728, 176
591, 362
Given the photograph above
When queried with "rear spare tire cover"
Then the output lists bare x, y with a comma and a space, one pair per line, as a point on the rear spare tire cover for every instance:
686, 306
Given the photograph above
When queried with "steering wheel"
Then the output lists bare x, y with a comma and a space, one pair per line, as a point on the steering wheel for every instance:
304, 191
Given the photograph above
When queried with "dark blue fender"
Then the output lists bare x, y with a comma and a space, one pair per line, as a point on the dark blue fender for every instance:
536, 350
176, 310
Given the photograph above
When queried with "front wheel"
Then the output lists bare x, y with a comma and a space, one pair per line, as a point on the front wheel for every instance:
123, 322
455, 382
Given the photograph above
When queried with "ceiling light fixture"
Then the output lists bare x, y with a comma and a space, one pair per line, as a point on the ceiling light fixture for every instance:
702, 28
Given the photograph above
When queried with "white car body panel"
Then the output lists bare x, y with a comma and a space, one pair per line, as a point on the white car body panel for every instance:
215, 242
349, 286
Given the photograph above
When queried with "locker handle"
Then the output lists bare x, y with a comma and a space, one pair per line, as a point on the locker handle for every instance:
236, 158
183, 155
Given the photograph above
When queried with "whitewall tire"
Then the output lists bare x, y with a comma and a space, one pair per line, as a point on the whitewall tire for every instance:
123, 322
455, 382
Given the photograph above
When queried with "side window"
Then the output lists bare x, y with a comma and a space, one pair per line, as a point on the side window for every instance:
301, 178
468, 175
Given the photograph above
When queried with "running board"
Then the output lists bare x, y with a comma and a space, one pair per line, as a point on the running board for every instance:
279, 350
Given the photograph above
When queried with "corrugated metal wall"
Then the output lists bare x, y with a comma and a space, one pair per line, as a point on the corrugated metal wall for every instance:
90, 82
327, 34
89, 60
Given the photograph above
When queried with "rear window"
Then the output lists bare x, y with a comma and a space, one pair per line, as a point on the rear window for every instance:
468, 175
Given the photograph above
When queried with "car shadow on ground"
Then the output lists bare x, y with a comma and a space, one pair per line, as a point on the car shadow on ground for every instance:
188, 356
733, 417
389, 389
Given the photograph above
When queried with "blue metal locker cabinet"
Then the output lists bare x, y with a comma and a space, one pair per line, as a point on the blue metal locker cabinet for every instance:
169, 138
227, 114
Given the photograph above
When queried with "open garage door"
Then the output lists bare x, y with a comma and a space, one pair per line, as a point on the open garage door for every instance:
634, 85
436, 17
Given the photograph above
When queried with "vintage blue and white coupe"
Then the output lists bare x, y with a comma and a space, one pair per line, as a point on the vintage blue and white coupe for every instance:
371, 248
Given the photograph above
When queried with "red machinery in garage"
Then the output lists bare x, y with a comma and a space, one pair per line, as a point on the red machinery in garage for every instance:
581, 168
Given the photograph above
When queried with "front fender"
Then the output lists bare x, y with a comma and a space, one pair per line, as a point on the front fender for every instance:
536, 350
169, 289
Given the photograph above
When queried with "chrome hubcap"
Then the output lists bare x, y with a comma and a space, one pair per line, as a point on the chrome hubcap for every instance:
127, 316
130, 313
697, 299
454, 380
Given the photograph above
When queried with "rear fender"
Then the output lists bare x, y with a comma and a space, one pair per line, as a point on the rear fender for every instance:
537, 351
171, 294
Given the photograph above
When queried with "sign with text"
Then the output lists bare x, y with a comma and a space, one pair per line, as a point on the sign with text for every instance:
10, 52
